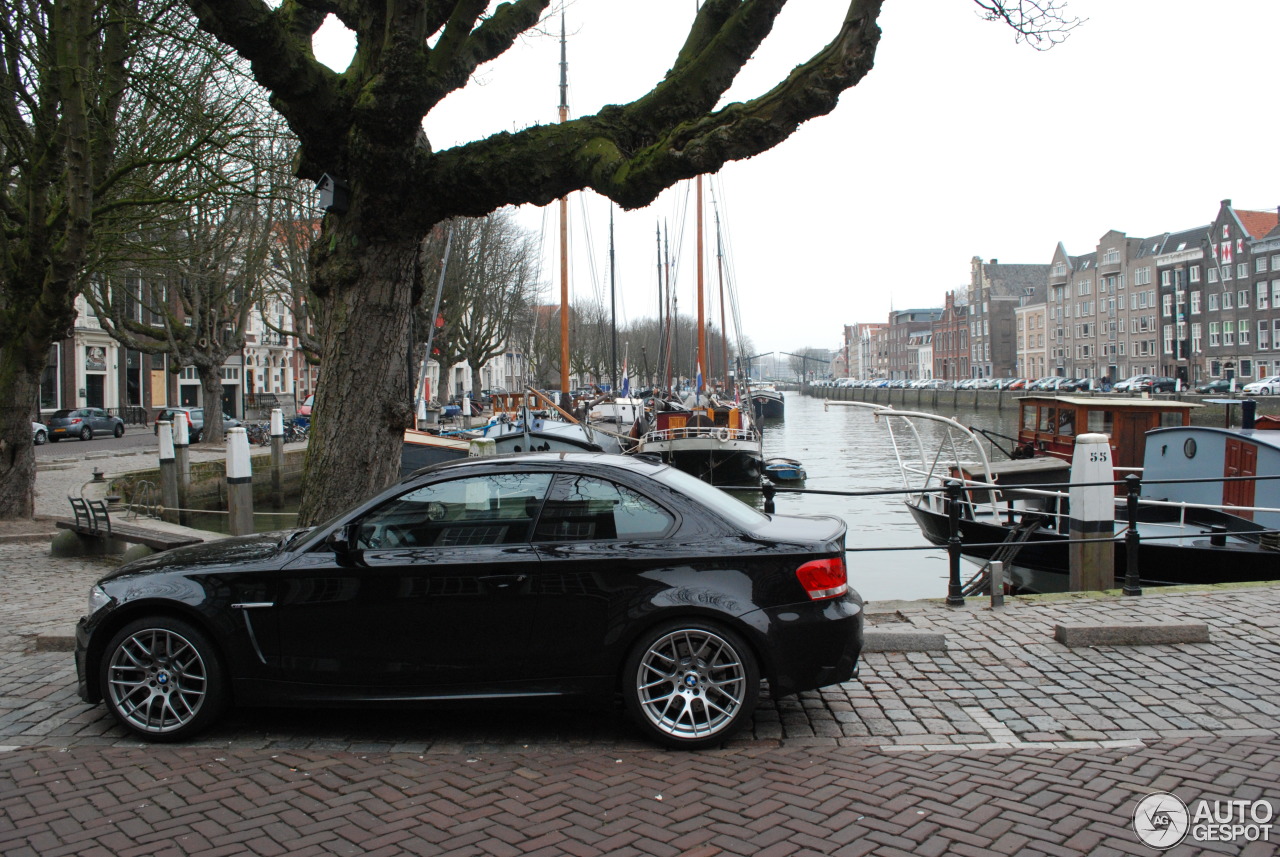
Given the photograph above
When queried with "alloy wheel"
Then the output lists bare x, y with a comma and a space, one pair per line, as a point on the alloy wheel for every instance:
157, 681
693, 684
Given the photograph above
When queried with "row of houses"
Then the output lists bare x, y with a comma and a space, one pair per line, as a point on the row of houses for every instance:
1195, 304
90, 369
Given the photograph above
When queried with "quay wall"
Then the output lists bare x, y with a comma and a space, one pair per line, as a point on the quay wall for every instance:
943, 401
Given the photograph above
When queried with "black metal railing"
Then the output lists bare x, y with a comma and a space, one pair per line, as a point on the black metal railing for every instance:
953, 492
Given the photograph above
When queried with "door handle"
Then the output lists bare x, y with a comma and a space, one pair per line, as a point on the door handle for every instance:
503, 581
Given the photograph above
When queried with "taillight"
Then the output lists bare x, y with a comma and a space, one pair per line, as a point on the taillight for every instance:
824, 578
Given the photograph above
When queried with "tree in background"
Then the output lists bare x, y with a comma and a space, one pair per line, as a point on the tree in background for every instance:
104, 113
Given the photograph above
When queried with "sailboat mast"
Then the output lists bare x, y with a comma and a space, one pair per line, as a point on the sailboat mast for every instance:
702, 321
724, 331
564, 232
613, 307
662, 301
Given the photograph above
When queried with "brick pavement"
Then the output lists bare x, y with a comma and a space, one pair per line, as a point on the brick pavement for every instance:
1007, 742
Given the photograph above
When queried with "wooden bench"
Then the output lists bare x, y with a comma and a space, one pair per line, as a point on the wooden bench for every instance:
93, 519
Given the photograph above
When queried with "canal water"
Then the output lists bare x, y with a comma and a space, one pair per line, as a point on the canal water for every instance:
845, 448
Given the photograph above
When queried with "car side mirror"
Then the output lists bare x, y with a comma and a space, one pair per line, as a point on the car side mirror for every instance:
342, 540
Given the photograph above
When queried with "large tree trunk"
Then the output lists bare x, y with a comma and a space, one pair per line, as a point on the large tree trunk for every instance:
211, 390
364, 401
17, 456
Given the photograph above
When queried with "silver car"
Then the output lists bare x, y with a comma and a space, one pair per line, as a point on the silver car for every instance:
83, 423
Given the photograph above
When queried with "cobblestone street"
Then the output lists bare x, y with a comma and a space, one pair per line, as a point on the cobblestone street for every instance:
1006, 742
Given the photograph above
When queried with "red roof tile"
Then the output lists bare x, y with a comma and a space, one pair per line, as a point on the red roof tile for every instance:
1257, 223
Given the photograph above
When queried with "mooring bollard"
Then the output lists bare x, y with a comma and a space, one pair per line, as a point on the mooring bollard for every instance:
1093, 515
997, 584
277, 458
168, 473
955, 595
182, 462
239, 483
1133, 483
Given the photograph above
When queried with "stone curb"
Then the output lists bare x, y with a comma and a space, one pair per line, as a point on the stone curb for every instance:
1131, 634
879, 640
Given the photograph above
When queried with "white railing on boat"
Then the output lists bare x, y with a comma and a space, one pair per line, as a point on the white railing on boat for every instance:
720, 433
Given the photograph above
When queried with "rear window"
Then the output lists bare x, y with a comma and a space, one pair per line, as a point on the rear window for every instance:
61, 414
713, 498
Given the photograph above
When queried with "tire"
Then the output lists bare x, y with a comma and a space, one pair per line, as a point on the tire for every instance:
86, 433
119, 430
41, 437
162, 680
690, 684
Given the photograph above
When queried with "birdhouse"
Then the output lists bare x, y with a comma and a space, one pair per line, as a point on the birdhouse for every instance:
335, 195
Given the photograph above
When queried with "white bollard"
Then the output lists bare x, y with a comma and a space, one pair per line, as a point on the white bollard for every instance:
168, 473
182, 461
481, 447
1093, 515
277, 458
239, 483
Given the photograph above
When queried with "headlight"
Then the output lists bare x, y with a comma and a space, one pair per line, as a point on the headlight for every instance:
98, 599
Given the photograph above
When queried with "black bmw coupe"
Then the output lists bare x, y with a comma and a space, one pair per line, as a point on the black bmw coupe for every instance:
487, 579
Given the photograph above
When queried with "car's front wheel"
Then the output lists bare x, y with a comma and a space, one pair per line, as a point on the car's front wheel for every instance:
161, 679
119, 430
691, 684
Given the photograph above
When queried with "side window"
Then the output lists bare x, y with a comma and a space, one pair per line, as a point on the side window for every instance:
582, 508
481, 510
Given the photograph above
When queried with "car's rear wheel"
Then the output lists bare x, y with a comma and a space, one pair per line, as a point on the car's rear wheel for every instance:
161, 679
41, 437
86, 433
691, 684
119, 432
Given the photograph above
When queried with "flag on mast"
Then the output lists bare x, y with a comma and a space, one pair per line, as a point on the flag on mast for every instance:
626, 380
697, 385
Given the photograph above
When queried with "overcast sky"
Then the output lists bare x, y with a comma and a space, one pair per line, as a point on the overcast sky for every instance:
959, 143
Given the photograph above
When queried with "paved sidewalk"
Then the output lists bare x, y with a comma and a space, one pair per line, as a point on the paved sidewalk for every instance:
1007, 742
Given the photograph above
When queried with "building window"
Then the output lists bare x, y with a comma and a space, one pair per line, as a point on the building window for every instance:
1228, 333
1213, 275
1264, 338
1260, 265
1242, 270
1195, 338
1193, 274
1168, 339
1213, 301
1213, 334
1244, 332
1227, 300
1262, 295
1142, 277
1195, 303
1242, 299
1168, 303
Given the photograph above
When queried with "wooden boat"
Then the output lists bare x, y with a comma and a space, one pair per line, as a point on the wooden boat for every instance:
767, 402
717, 444
1017, 511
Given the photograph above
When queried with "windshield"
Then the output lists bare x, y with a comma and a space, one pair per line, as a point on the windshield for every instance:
718, 501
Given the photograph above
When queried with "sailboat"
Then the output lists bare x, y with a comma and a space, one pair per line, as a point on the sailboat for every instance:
713, 440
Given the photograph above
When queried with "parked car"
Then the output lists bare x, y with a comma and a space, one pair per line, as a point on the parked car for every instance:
1221, 385
195, 421
500, 578
1146, 384
1263, 386
83, 423
39, 433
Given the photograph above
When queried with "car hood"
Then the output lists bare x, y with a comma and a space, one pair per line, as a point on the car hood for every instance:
221, 552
